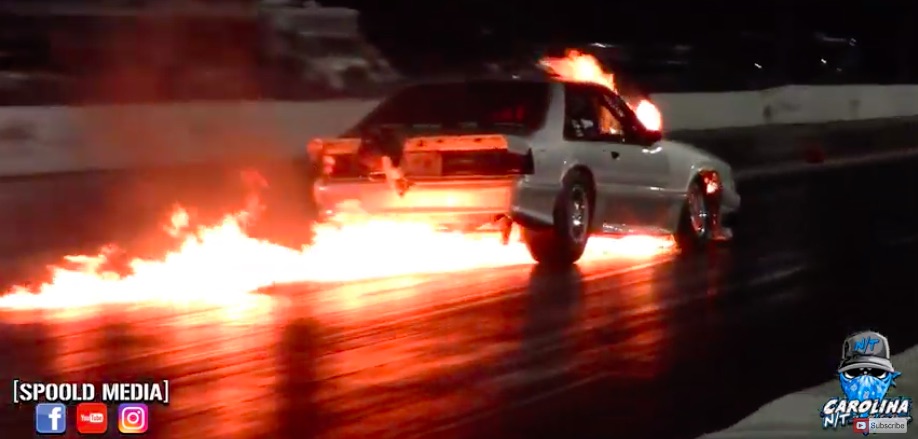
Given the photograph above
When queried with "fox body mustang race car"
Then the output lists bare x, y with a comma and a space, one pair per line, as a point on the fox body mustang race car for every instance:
563, 160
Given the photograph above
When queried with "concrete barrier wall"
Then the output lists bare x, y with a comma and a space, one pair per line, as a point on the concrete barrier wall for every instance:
56, 139
67, 139
786, 105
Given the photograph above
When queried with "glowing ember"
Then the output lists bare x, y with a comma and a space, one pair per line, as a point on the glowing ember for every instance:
581, 67
222, 264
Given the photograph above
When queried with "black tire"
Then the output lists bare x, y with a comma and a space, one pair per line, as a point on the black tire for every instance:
691, 236
563, 244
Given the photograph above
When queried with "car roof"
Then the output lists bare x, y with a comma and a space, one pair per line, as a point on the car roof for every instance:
489, 77
530, 77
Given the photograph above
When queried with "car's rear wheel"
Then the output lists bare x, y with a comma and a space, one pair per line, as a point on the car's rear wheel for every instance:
696, 224
563, 243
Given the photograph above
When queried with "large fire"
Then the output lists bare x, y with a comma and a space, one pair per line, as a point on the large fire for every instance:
223, 264
582, 67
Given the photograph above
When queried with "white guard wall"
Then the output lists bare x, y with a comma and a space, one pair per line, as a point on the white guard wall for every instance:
62, 139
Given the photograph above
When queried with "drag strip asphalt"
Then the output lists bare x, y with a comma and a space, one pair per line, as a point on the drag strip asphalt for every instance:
673, 347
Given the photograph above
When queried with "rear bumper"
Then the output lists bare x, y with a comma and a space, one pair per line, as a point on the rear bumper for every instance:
476, 199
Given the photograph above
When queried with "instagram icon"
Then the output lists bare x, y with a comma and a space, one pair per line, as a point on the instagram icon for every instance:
133, 418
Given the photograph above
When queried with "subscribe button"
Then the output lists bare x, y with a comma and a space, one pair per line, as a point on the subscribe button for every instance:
881, 425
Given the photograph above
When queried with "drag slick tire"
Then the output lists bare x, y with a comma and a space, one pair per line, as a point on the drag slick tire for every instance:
563, 243
696, 223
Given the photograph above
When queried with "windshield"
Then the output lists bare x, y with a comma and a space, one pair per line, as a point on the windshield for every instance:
491, 105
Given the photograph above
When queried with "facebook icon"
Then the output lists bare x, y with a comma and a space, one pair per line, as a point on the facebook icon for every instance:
50, 418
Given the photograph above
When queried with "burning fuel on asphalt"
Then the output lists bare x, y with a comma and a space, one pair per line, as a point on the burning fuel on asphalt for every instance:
223, 263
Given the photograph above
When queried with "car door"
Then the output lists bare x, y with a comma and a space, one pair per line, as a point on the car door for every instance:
645, 165
642, 169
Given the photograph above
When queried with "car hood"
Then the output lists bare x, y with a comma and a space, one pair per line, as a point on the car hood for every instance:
690, 151
691, 159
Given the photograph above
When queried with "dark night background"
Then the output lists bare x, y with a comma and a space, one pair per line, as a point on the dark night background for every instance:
462, 29
669, 46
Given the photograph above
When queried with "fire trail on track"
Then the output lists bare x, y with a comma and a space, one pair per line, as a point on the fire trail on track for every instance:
223, 263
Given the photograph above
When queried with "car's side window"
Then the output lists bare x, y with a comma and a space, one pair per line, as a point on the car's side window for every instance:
589, 116
628, 121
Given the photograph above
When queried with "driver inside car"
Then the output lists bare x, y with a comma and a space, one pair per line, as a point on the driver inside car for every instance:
590, 118
608, 124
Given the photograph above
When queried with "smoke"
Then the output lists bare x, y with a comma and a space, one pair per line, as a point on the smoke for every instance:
169, 98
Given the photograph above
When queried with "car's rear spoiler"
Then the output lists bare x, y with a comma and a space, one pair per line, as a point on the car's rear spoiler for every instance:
465, 142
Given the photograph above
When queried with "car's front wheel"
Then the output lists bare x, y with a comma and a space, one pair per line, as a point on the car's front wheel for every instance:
696, 224
563, 243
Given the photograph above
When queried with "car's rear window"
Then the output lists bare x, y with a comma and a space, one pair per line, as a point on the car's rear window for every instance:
473, 105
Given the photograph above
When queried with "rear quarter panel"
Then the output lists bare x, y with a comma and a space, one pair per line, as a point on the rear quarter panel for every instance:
552, 159
535, 195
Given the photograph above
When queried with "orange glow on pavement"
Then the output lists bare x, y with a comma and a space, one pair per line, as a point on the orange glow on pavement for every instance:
221, 264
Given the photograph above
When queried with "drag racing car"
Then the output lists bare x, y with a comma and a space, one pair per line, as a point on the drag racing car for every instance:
562, 160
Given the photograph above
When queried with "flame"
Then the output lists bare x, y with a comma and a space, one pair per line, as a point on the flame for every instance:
580, 67
649, 115
222, 264
577, 66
